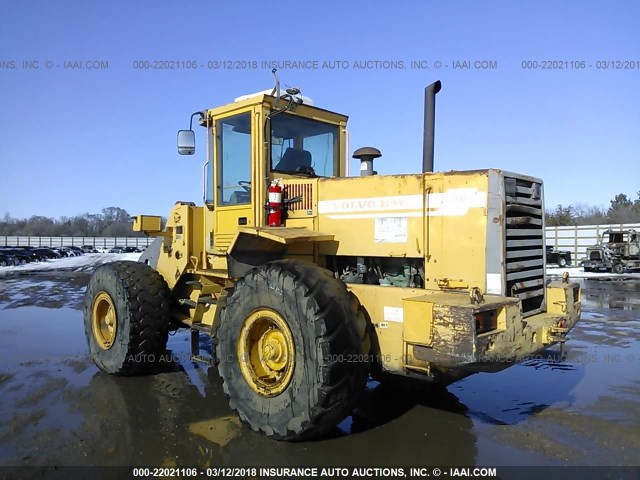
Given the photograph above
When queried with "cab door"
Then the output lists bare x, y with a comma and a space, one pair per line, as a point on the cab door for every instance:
234, 161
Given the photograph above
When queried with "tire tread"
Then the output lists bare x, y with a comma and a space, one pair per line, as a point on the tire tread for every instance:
333, 311
147, 298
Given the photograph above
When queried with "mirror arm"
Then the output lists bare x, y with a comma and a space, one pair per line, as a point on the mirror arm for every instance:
276, 88
193, 115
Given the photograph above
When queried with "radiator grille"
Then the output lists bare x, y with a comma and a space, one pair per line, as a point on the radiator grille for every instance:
303, 190
524, 243
595, 255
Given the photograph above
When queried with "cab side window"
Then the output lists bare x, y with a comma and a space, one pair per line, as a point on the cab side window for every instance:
233, 151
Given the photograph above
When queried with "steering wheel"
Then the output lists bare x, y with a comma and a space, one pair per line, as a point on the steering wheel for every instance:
245, 184
307, 170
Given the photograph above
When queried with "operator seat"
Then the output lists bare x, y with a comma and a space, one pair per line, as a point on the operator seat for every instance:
239, 197
294, 159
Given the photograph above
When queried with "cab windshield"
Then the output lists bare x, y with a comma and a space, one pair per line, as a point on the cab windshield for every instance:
304, 146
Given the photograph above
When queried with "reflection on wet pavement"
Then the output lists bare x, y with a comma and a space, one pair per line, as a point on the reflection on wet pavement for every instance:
612, 293
580, 406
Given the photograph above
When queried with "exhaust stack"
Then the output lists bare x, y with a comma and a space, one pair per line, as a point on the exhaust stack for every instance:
429, 125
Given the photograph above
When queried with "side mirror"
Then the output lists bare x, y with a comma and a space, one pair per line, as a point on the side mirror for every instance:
186, 142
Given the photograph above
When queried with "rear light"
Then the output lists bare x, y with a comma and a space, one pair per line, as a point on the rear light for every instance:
486, 321
576, 293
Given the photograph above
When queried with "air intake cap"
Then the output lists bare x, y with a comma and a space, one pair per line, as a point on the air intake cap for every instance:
366, 156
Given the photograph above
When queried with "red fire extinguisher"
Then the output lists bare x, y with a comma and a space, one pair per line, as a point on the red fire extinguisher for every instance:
275, 204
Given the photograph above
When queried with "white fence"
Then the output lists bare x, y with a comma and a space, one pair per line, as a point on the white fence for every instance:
108, 242
577, 238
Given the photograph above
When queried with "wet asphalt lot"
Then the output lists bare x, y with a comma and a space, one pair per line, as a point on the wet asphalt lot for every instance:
576, 407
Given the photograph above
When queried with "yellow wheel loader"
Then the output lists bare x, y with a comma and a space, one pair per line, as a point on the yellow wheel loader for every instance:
308, 280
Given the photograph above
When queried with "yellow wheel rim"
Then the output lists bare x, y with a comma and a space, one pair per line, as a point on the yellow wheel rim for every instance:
266, 352
104, 320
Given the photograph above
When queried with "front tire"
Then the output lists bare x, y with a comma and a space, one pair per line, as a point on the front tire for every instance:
126, 318
292, 350
562, 262
618, 268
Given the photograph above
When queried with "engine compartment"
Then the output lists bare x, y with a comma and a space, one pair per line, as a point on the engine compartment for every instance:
384, 271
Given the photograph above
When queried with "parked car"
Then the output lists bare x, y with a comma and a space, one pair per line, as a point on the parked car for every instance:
32, 253
47, 253
132, 250
116, 250
560, 257
7, 260
77, 250
68, 252
89, 249
21, 256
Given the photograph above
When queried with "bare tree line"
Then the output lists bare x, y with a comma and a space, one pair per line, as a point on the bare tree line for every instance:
110, 222
621, 210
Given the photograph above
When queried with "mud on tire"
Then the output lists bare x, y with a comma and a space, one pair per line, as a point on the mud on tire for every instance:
330, 366
141, 299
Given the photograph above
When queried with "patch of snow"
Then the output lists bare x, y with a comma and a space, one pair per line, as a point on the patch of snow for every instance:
86, 262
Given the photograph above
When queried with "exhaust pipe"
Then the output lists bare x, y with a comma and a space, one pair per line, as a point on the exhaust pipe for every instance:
429, 125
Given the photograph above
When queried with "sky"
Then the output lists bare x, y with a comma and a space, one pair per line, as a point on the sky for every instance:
75, 140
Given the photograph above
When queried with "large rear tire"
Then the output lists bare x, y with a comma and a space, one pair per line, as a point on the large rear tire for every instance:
126, 318
292, 349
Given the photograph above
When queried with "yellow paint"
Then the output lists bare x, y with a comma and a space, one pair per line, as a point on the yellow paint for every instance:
183, 240
389, 331
349, 210
418, 320
266, 352
285, 235
104, 320
556, 300
560, 298
147, 223
353, 208
218, 430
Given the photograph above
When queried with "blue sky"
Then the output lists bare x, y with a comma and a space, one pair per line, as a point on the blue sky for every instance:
76, 141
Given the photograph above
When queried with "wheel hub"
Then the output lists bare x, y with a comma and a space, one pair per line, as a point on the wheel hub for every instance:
104, 320
266, 352
274, 349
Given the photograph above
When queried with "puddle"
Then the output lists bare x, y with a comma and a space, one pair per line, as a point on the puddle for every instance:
572, 407
40, 335
623, 294
46, 289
